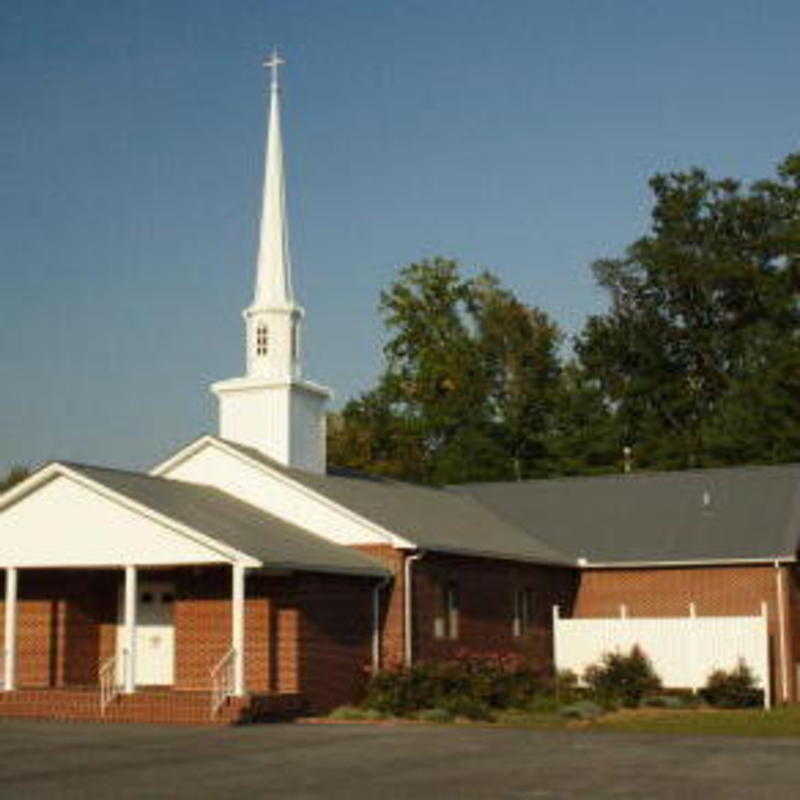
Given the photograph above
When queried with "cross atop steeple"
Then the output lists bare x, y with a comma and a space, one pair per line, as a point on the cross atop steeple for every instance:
272, 62
274, 270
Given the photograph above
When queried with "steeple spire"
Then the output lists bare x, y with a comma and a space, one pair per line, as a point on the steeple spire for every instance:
272, 408
274, 270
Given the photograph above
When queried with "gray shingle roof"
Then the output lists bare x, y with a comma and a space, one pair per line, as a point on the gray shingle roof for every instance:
750, 513
239, 525
434, 519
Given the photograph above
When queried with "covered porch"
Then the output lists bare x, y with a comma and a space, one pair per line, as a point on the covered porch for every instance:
118, 585
115, 631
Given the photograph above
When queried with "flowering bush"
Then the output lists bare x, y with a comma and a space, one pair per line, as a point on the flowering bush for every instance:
468, 685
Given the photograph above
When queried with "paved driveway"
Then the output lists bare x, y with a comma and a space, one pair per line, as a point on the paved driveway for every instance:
74, 760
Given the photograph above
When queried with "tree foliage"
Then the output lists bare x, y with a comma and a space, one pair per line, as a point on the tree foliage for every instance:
469, 386
698, 353
696, 361
15, 475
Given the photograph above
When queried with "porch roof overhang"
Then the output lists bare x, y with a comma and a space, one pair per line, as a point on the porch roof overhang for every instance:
70, 514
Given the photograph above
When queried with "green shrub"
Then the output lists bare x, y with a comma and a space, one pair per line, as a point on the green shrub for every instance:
623, 678
462, 706
352, 713
583, 709
438, 715
542, 704
665, 701
734, 689
476, 684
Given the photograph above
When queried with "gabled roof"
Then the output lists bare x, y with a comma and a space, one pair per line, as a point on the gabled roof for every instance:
271, 540
433, 519
732, 514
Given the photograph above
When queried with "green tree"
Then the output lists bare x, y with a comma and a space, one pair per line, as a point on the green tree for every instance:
699, 348
469, 385
15, 475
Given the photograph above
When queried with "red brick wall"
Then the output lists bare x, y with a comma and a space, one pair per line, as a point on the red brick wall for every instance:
306, 633
715, 591
486, 605
64, 618
335, 637
392, 617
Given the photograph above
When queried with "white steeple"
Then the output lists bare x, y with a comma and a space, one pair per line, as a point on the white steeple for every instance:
272, 409
274, 271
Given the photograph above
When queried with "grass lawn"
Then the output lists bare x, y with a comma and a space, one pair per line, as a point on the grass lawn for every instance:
755, 722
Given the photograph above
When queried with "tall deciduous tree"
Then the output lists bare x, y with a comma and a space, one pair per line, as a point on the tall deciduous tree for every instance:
468, 390
699, 351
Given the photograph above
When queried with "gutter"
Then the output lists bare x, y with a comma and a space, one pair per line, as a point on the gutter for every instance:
407, 587
721, 562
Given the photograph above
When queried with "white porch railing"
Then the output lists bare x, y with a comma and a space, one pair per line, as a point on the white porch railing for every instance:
223, 681
110, 687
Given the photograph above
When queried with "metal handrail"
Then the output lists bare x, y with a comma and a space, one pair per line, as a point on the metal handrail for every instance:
222, 681
109, 686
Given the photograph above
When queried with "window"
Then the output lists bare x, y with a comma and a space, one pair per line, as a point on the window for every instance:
445, 623
295, 341
262, 340
523, 611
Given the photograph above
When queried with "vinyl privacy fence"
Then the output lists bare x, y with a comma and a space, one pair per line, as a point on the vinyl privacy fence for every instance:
684, 651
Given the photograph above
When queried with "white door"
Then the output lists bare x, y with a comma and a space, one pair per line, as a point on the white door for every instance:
155, 634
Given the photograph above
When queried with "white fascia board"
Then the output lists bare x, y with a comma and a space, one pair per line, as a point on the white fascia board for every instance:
53, 470
210, 441
178, 458
30, 484
708, 562
258, 383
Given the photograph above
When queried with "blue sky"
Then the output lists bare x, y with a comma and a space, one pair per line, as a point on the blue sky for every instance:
511, 135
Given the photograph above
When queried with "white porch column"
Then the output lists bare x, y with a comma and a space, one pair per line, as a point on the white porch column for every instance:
237, 629
129, 653
10, 641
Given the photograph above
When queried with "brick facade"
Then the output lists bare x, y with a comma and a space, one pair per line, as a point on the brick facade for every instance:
305, 633
485, 595
310, 634
486, 598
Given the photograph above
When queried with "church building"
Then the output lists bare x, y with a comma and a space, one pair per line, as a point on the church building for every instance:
242, 578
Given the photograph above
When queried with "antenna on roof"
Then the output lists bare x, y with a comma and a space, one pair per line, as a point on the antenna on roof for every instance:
627, 459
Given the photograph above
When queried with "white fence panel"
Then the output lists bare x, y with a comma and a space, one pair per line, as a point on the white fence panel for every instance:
683, 650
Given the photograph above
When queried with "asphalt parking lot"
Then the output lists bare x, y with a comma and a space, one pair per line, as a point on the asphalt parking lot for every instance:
60, 761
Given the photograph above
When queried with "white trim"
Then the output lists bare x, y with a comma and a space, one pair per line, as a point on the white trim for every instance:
10, 641
196, 537
129, 625
767, 683
204, 441
715, 562
250, 383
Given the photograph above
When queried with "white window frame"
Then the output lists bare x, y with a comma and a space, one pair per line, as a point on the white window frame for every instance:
446, 621
523, 611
